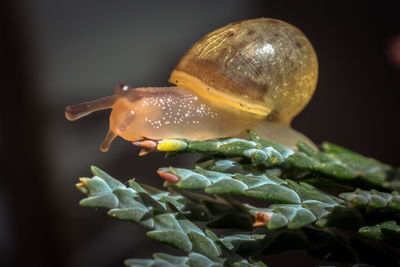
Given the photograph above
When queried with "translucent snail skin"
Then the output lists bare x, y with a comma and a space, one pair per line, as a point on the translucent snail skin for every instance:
255, 74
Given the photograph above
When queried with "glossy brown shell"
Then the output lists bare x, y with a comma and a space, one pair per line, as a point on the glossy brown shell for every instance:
263, 66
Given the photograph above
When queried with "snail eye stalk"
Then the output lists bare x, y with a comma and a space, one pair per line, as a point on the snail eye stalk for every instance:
75, 112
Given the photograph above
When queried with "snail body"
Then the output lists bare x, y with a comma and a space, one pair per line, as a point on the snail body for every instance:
255, 74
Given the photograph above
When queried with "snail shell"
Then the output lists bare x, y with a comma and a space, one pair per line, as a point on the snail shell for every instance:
263, 66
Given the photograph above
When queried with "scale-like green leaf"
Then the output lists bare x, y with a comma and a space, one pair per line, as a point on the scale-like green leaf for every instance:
154, 209
374, 200
255, 168
389, 230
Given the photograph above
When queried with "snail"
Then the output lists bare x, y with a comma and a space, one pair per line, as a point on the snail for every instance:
254, 74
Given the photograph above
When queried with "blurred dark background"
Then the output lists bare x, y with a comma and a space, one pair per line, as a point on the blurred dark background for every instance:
56, 53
